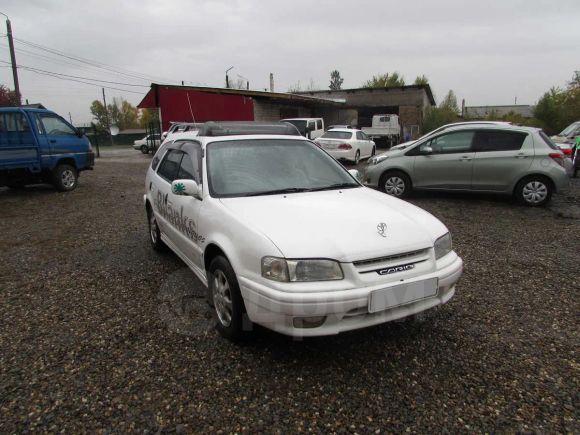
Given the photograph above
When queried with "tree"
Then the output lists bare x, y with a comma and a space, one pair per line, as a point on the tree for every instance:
421, 80
148, 116
450, 102
295, 88
446, 113
8, 98
558, 107
335, 81
120, 113
385, 81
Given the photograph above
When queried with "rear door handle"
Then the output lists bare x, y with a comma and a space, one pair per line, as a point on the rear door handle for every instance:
466, 158
521, 156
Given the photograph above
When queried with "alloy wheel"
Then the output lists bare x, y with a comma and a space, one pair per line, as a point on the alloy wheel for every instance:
535, 192
394, 186
68, 178
222, 298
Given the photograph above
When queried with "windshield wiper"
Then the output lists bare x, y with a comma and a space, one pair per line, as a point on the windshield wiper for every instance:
279, 191
334, 186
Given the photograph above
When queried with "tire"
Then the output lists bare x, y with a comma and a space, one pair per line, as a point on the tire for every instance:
154, 233
395, 183
65, 177
534, 191
373, 152
357, 157
226, 299
144, 149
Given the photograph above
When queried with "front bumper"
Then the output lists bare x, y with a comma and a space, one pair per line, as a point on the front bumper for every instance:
344, 309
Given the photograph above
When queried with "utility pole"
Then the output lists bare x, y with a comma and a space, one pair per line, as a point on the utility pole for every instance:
107, 117
13, 58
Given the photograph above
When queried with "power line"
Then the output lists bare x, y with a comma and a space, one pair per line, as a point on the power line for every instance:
85, 61
76, 77
75, 80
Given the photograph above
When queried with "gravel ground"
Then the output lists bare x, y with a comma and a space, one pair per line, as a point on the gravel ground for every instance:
99, 333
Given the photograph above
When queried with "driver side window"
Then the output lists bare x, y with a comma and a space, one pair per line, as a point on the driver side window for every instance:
56, 126
456, 142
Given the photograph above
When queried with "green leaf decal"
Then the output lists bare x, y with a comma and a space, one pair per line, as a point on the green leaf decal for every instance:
178, 188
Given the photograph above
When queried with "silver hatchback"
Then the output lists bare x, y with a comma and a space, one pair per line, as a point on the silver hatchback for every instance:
522, 161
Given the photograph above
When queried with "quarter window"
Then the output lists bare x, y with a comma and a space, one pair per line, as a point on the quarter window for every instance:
499, 140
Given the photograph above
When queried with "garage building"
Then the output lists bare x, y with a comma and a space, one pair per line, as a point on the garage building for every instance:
348, 106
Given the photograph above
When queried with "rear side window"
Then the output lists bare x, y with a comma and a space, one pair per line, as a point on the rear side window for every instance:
499, 140
13, 122
548, 141
170, 165
319, 124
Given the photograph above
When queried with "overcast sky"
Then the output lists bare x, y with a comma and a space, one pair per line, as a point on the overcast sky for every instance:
488, 52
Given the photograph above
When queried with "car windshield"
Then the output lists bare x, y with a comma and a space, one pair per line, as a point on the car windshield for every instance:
299, 124
336, 135
251, 167
570, 129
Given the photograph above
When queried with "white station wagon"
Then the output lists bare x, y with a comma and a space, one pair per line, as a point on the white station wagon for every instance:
285, 237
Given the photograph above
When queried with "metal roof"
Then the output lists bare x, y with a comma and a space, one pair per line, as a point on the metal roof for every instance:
426, 88
266, 95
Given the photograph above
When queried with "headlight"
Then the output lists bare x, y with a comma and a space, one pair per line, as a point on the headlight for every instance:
442, 246
377, 159
279, 269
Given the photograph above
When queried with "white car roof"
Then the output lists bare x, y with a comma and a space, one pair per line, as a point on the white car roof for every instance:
346, 130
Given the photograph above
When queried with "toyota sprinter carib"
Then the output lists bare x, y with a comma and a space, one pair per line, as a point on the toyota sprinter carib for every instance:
283, 236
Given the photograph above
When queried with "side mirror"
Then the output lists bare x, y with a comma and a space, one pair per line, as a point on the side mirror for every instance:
426, 150
80, 133
355, 173
186, 188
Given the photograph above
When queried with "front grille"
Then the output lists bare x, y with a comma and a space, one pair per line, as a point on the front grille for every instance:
362, 263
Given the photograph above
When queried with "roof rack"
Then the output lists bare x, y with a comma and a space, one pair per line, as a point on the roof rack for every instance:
213, 129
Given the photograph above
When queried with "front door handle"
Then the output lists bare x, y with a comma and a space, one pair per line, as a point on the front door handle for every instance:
52, 140
466, 158
521, 156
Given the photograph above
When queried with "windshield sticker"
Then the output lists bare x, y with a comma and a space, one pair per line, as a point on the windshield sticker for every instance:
176, 218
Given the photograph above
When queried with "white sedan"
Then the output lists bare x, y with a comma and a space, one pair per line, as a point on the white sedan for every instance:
267, 221
347, 144
149, 142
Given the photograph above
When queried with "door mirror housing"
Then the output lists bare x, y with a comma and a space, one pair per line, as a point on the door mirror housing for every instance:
186, 188
355, 173
426, 150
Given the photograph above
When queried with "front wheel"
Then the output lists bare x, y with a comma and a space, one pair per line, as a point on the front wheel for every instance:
395, 184
534, 191
144, 149
65, 177
226, 299
154, 232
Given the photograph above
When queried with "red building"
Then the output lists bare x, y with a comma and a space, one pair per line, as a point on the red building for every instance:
201, 104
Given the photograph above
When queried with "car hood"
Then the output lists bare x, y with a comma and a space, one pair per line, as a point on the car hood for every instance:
338, 224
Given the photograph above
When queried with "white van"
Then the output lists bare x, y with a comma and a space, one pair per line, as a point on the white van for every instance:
308, 127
